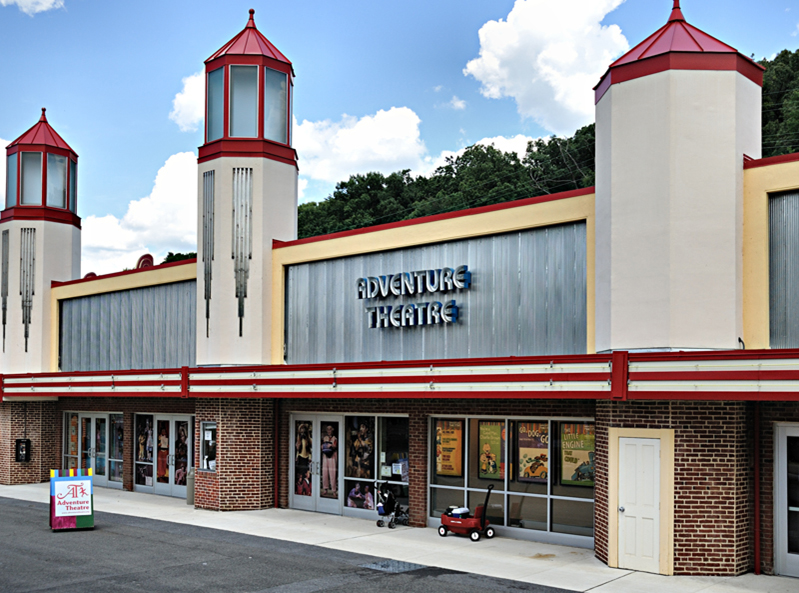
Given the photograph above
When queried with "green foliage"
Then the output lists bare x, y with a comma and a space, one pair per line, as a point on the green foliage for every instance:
171, 257
781, 104
482, 175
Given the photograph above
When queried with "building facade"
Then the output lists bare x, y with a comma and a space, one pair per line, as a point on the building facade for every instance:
620, 363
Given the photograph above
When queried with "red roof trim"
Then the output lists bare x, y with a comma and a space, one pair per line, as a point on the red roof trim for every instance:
771, 160
679, 61
255, 148
184, 262
41, 133
436, 217
47, 213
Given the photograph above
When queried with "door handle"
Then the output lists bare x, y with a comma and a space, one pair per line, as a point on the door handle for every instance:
621, 509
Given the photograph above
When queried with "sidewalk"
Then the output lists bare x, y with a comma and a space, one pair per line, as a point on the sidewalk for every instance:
542, 564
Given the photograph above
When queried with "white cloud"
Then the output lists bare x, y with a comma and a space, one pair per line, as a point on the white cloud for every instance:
517, 144
386, 141
547, 56
302, 185
3, 144
457, 104
189, 104
438, 88
166, 220
31, 7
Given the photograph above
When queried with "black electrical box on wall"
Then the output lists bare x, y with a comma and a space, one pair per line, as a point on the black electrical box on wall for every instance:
23, 450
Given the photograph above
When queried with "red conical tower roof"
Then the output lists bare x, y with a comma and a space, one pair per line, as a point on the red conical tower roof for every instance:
251, 42
678, 45
42, 134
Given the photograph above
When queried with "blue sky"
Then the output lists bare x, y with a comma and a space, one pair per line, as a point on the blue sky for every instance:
379, 86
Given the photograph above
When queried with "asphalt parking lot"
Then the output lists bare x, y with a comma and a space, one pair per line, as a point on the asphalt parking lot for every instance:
124, 553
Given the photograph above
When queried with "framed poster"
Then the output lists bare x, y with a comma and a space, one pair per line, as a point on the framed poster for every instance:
577, 454
532, 452
360, 446
449, 448
491, 452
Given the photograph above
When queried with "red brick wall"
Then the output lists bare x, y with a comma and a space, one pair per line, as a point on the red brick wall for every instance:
35, 421
419, 411
712, 481
244, 476
770, 413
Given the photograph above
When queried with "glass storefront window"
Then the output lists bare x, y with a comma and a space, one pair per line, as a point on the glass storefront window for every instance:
447, 452
116, 449
70, 440
394, 445
542, 471
360, 447
143, 443
208, 446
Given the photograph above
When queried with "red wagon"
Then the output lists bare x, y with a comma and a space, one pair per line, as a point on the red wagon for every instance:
474, 526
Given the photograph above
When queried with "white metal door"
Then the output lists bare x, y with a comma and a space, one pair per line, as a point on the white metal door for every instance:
786, 509
639, 504
315, 465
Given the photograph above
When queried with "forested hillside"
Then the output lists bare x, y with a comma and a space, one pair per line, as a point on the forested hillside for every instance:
483, 175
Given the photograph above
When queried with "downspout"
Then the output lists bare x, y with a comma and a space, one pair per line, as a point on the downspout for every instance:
276, 453
757, 488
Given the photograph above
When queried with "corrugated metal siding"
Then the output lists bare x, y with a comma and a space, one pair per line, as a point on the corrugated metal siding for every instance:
784, 270
528, 297
145, 328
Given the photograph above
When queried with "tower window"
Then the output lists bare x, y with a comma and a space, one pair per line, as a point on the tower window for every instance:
56, 181
244, 101
216, 104
275, 106
32, 178
11, 180
73, 186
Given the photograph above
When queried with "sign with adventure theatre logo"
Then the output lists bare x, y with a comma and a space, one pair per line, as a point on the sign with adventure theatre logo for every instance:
413, 283
71, 499
577, 454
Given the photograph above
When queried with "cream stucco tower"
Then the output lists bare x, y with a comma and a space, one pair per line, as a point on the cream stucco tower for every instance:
674, 118
247, 197
39, 243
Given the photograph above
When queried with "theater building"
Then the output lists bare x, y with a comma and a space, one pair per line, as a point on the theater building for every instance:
620, 362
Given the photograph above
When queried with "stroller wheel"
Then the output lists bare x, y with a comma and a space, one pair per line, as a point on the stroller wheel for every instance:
474, 536
443, 531
391, 524
380, 523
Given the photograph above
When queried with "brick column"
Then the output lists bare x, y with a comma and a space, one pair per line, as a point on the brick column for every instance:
41, 422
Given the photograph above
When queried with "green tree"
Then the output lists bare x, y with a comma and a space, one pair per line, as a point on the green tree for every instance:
172, 257
781, 104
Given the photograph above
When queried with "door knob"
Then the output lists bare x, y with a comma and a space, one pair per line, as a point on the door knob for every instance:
621, 509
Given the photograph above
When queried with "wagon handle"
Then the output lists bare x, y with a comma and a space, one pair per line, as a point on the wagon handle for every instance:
485, 508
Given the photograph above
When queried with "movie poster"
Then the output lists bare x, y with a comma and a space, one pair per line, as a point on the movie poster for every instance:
360, 447
577, 454
491, 439
449, 448
533, 464
73, 435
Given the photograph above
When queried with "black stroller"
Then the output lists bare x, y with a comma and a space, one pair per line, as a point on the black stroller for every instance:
390, 511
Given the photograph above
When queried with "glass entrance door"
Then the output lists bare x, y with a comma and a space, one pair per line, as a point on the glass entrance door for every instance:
173, 450
316, 462
786, 510
93, 439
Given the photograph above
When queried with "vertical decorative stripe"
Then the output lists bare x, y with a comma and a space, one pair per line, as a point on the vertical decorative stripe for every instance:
242, 234
208, 242
4, 284
27, 270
